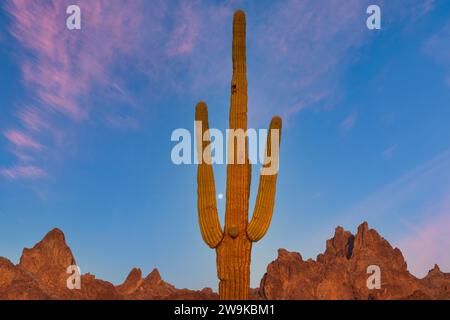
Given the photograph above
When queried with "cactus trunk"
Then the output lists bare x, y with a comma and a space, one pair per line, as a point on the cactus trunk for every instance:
233, 245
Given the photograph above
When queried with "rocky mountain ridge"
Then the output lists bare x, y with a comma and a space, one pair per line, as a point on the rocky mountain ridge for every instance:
339, 273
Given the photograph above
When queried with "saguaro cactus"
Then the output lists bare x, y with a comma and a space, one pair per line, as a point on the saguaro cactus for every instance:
233, 245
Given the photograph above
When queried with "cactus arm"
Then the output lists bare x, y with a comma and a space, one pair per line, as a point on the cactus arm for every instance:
262, 214
206, 194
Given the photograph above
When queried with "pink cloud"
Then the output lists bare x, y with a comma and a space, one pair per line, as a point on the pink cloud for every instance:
183, 37
62, 69
179, 47
423, 196
70, 74
68, 64
32, 119
22, 140
428, 243
22, 172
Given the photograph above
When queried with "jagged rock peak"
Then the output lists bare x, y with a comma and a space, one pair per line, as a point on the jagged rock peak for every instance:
41, 274
135, 273
435, 270
285, 254
51, 250
132, 282
55, 234
341, 245
153, 276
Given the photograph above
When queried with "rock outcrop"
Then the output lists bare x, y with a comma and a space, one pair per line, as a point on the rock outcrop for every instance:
153, 287
437, 283
17, 284
42, 274
341, 272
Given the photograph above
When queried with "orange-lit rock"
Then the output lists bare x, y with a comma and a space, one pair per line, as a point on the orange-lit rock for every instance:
341, 272
338, 273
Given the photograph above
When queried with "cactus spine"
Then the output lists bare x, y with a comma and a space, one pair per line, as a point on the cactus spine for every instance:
233, 245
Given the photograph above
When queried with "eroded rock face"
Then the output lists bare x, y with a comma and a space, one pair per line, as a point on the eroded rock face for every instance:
341, 272
150, 287
437, 283
95, 289
42, 274
17, 284
132, 282
47, 263
153, 287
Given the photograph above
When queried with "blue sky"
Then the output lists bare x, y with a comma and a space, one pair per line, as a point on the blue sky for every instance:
86, 119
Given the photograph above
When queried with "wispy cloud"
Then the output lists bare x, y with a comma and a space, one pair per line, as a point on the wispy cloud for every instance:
67, 74
66, 65
306, 45
305, 102
298, 50
422, 195
123, 122
32, 119
64, 70
428, 242
423, 7
22, 172
389, 152
349, 122
22, 140
182, 39
389, 198
428, 5
438, 46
